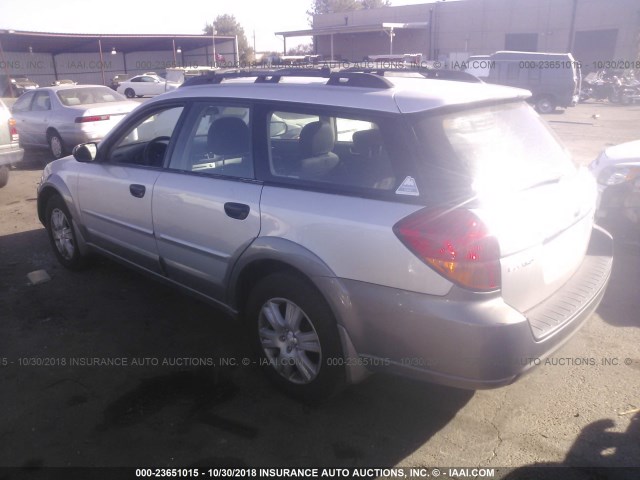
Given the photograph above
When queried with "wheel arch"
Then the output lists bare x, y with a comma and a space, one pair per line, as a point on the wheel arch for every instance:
268, 255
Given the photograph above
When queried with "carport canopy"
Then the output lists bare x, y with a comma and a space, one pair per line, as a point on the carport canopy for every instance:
386, 27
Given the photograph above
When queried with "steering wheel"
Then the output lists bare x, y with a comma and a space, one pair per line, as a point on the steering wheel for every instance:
154, 150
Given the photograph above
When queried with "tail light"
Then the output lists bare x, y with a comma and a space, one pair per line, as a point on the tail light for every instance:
13, 131
456, 244
92, 118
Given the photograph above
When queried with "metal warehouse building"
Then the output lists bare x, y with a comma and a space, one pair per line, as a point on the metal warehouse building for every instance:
593, 30
47, 57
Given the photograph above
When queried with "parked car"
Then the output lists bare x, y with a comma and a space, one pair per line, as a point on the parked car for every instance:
63, 81
554, 79
424, 227
120, 77
10, 151
146, 84
617, 170
64, 116
16, 86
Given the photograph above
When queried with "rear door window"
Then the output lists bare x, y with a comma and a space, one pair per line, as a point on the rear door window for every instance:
339, 150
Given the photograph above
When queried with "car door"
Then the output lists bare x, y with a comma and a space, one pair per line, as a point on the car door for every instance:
115, 192
206, 206
24, 119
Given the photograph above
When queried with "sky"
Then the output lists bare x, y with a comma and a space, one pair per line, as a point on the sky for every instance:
143, 16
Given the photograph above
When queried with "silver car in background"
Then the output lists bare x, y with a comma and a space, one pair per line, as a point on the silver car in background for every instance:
10, 152
61, 117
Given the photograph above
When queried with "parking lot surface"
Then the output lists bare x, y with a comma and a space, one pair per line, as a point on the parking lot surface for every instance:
108, 368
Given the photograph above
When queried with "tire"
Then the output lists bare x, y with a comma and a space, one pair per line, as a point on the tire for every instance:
62, 235
545, 105
283, 311
56, 145
129, 93
4, 175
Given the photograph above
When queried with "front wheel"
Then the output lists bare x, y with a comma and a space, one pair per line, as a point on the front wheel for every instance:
62, 236
129, 93
295, 336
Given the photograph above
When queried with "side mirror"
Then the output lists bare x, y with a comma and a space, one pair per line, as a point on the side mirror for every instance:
277, 129
85, 152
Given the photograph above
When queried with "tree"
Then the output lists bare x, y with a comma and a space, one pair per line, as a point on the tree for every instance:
228, 25
331, 6
302, 49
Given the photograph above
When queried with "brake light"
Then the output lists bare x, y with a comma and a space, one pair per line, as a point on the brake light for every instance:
456, 244
13, 131
92, 118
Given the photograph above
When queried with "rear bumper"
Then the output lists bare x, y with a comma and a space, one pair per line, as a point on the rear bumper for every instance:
11, 155
467, 340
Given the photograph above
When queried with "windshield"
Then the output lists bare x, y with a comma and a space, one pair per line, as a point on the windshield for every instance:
86, 96
489, 150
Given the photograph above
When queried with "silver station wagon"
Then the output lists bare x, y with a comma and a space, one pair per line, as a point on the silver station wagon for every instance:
353, 221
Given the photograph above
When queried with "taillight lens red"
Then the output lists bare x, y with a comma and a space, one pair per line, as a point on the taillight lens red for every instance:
92, 118
456, 244
13, 131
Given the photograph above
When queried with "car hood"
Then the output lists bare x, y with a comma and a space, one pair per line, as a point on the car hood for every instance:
625, 152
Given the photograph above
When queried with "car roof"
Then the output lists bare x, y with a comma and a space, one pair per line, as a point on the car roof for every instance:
404, 95
57, 88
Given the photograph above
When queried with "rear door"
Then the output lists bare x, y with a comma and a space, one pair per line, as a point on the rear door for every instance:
206, 206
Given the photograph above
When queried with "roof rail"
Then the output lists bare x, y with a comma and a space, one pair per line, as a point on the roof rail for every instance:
351, 79
439, 74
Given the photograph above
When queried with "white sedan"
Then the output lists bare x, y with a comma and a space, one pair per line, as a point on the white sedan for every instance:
64, 116
146, 84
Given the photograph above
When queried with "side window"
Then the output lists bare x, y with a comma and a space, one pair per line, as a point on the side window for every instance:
339, 150
146, 142
23, 103
41, 102
136, 79
217, 141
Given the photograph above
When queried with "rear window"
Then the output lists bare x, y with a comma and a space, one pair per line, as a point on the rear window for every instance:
488, 150
87, 96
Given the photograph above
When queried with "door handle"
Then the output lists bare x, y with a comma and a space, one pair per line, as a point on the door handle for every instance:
137, 191
239, 211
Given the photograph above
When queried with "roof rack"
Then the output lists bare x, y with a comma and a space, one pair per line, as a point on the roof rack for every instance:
342, 78
439, 74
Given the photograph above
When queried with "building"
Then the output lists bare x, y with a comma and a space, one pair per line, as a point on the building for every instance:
594, 31
95, 59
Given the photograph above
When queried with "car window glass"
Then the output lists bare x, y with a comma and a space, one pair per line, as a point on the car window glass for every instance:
146, 142
84, 96
136, 79
41, 102
23, 103
218, 141
340, 150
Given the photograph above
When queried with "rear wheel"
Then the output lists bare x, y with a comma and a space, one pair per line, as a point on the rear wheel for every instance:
4, 175
295, 336
56, 146
545, 105
62, 236
129, 93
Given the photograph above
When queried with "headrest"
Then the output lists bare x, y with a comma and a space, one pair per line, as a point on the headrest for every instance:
317, 138
367, 142
229, 136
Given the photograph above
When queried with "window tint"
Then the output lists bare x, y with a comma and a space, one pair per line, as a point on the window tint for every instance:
217, 141
146, 143
329, 149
